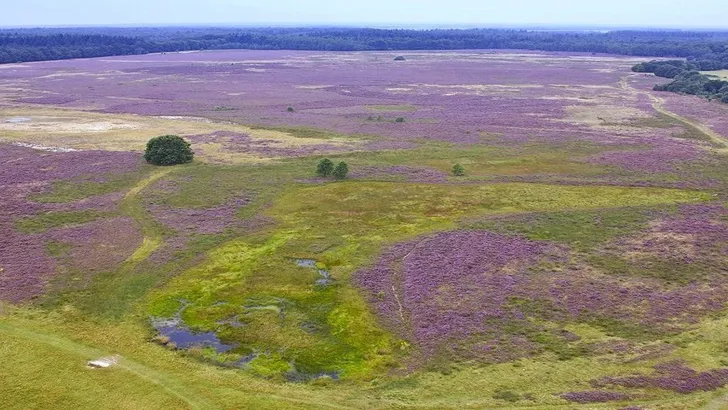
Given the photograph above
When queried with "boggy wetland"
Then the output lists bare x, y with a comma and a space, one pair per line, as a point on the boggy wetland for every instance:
577, 259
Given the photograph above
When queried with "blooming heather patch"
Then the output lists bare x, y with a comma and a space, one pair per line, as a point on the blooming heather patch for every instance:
243, 143
24, 262
48, 100
519, 96
98, 246
444, 289
200, 220
675, 376
688, 246
594, 396
714, 114
103, 203
398, 173
382, 145
471, 294
664, 156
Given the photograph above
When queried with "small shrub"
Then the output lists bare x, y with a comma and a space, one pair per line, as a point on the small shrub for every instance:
341, 170
399, 58
168, 150
458, 170
290, 109
507, 395
399, 119
325, 167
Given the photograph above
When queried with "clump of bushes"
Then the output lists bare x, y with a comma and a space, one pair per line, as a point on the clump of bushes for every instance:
399, 58
341, 170
326, 168
168, 150
458, 170
507, 395
399, 119
290, 109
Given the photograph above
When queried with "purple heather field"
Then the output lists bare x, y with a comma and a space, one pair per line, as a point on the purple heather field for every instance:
455, 97
443, 289
503, 98
25, 264
467, 294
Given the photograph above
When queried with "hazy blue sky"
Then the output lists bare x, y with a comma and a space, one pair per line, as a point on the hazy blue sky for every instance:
654, 13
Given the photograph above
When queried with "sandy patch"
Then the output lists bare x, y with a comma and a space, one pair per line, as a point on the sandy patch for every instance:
311, 87
602, 115
48, 128
63, 124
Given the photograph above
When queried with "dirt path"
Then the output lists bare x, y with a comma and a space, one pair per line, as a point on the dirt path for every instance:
168, 384
720, 141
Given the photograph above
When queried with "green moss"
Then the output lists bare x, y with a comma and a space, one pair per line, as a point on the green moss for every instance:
580, 229
43, 222
58, 249
74, 190
650, 267
269, 365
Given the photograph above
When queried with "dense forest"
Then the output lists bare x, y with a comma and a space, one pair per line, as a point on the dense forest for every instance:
22, 45
687, 78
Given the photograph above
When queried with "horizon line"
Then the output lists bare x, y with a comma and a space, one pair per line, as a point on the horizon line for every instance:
383, 25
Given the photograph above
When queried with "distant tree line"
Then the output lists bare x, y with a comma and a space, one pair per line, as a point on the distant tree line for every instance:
22, 45
687, 78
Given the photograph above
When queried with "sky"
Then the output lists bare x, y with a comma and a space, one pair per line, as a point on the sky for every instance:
379, 13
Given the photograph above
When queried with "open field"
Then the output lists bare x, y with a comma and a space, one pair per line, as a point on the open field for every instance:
721, 74
580, 262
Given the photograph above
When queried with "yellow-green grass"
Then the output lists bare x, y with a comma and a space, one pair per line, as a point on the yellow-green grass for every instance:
44, 358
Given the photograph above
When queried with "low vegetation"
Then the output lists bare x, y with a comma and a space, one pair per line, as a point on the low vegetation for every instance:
509, 246
458, 170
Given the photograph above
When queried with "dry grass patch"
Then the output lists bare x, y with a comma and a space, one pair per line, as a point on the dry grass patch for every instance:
83, 130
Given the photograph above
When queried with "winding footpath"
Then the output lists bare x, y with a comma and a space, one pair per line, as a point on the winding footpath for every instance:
720, 141
133, 208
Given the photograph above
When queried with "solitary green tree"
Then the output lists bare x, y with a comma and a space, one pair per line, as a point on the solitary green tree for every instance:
341, 170
168, 150
458, 170
325, 167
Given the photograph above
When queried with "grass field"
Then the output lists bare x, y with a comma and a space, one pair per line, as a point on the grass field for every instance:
720, 73
579, 263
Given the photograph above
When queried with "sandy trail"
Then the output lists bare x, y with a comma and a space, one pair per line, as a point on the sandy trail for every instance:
658, 104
